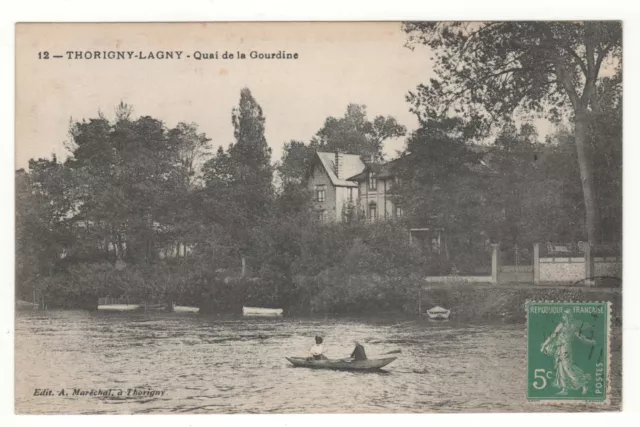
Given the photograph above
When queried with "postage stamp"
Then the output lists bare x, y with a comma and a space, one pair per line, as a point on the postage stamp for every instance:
568, 351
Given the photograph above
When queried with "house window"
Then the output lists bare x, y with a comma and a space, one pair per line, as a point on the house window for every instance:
322, 216
350, 194
320, 193
372, 182
373, 212
399, 212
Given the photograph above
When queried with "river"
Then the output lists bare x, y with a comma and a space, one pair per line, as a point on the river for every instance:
208, 364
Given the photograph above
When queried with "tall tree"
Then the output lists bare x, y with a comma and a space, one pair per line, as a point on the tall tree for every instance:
250, 153
193, 149
132, 177
606, 139
238, 181
355, 134
533, 191
486, 71
295, 162
440, 184
43, 204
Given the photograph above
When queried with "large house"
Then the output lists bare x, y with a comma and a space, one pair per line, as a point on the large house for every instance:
334, 196
375, 183
346, 186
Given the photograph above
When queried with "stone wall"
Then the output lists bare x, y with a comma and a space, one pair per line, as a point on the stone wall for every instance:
570, 269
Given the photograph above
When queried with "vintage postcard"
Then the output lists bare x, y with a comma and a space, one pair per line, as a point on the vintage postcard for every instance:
354, 217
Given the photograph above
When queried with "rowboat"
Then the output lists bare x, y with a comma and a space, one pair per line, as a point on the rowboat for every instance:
256, 311
341, 364
438, 313
118, 304
120, 307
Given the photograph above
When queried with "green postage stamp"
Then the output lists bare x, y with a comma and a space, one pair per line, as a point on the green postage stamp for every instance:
568, 351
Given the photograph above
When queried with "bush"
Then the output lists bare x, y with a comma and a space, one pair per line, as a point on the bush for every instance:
346, 269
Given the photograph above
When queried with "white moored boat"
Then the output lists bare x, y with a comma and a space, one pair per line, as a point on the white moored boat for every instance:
257, 311
120, 307
438, 313
117, 304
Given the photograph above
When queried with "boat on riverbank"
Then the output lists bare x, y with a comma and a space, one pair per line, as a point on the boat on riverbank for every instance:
438, 313
341, 364
262, 312
120, 307
118, 304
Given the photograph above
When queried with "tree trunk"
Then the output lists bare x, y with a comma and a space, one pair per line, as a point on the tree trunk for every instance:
586, 176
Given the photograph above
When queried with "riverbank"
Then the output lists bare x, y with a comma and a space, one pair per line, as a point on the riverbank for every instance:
468, 301
333, 293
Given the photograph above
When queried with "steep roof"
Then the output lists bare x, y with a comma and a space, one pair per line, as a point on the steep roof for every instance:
351, 165
385, 170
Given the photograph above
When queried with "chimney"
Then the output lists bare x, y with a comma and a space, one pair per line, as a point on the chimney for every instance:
337, 164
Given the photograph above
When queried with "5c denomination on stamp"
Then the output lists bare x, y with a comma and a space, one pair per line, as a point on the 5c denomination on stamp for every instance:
568, 351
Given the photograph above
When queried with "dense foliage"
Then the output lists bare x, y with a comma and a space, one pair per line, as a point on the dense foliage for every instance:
148, 213
486, 71
151, 213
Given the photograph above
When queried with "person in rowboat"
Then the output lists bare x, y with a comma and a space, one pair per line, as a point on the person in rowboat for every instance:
317, 350
358, 352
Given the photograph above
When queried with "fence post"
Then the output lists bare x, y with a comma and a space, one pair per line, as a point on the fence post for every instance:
494, 262
536, 263
588, 266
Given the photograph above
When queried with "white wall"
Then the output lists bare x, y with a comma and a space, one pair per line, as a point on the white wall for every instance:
379, 196
562, 269
318, 177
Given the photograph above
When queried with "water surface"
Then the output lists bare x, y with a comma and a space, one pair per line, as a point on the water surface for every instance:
208, 364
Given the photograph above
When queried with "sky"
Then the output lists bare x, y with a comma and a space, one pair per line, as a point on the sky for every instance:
338, 64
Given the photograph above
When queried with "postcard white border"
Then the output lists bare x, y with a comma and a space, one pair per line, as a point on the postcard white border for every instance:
281, 10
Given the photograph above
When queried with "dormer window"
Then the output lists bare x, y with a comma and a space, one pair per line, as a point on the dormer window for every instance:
373, 182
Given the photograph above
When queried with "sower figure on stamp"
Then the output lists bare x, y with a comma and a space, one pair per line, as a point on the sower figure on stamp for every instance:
559, 346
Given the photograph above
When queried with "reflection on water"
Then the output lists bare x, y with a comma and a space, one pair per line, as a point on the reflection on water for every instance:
230, 365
